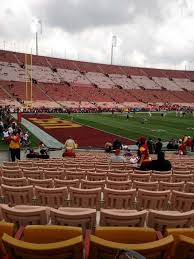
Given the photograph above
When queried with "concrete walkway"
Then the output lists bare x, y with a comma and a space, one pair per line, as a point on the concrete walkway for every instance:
47, 139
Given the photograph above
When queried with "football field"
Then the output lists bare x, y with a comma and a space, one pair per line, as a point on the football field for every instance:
138, 124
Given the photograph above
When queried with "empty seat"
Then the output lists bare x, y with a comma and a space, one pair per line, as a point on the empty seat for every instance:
35, 174
181, 171
78, 217
46, 183
32, 215
127, 218
14, 181
85, 184
88, 198
140, 177
178, 186
75, 175
189, 187
182, 177
54, 174
52, 197
182, 201
17, 195
12, 173
160, 177
119, 199
66, 183
184, 242
46, 242
118, 177
92, 176
119, 185
109, 240
152, 200
151, 186
160, 220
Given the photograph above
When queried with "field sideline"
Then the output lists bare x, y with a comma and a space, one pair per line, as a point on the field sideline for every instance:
155, 126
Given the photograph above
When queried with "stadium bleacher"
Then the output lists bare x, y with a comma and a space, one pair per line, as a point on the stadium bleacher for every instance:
93, 83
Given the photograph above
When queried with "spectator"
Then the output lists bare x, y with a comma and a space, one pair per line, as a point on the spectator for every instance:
70, 144
117, 157
117, 145
108, 147
161, 164
158, 146
182, 150
14, 146
6, 136
189, 143
192, 148
151, 146
143, 154
69, 153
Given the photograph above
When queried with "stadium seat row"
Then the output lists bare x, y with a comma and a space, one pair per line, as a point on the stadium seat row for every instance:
107, 242
92, 198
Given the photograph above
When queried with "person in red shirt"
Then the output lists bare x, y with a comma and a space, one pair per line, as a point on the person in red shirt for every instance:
182, 150
143, 154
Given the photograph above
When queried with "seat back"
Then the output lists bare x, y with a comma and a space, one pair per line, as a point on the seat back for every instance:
17, 195
140, 177
85, 198
66, 183
113, 217
119, 185
34, 174
182, 177
85, 184
12, 173
178, 186
150, 186
189, 187
71, 248
152, 199
14, 181
75, 175
182, 201
119, 199
160, 220
59, 174
152, 250
161, 177
52, 197
46, 183
22, 217
78, 217
118, 177
92, 176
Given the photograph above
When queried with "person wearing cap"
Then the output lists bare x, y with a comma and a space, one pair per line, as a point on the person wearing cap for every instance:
117, 157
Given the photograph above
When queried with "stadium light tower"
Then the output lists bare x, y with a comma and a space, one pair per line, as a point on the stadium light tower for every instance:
114, 44
36, 27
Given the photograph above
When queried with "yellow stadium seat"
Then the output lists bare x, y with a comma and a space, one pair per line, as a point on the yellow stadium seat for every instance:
102, 248
184, 242
127, 235
43, 242
7, 228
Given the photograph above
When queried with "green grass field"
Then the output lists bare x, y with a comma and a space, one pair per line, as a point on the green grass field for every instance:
156, 126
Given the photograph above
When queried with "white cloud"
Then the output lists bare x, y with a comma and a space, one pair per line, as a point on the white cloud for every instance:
155, 33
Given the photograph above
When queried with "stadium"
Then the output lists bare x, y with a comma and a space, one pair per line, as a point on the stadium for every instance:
97, 156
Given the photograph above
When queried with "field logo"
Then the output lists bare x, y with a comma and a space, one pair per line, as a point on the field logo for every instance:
55, 123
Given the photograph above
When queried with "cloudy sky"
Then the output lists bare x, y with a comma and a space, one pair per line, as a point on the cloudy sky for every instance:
150, 33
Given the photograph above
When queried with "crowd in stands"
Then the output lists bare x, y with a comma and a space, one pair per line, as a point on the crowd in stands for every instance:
180, 110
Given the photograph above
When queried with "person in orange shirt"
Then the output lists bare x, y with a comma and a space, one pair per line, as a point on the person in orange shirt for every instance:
14, 146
